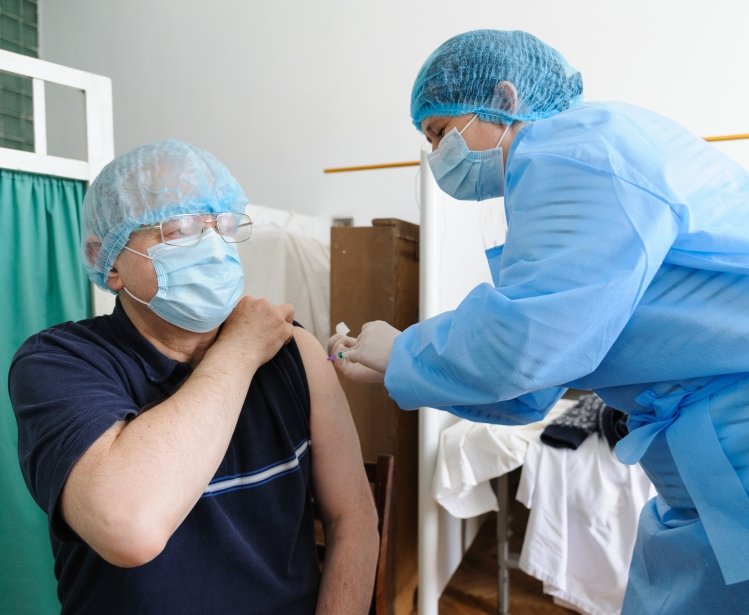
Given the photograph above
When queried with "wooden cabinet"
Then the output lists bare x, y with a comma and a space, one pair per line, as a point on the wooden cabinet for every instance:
374, 275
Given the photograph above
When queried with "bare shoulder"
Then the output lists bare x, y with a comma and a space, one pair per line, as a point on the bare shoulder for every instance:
328, 401
308, 343
320, 371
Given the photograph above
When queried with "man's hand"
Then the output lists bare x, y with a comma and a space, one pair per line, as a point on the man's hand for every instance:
257, 329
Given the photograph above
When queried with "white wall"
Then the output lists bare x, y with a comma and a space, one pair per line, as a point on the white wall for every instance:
280, 90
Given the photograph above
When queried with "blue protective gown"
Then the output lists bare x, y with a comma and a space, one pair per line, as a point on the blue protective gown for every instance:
625, 271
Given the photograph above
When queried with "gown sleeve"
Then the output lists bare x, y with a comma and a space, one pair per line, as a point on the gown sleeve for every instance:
582, 246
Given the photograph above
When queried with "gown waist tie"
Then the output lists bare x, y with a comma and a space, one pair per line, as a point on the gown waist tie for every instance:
709, 477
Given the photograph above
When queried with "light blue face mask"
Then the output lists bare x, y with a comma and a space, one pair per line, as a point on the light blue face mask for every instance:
465, 174
198, 285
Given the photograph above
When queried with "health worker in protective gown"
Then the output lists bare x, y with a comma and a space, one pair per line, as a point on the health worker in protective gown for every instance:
625, 271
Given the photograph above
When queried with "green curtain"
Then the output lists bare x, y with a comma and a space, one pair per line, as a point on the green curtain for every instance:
42, 283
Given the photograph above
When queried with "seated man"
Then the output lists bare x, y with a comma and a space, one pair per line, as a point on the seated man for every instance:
175, 443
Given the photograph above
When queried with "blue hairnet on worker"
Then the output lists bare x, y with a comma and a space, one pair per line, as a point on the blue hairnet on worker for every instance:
625, 271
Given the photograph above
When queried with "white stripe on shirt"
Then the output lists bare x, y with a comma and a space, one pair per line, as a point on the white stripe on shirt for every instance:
261, 476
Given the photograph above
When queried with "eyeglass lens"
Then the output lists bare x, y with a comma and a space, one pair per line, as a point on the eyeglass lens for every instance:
234, 227
188, 229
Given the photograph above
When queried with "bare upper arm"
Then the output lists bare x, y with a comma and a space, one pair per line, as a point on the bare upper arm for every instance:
339, 481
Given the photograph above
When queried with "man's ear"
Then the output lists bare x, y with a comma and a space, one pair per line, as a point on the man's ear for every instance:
91, 249
114, 281
505, 97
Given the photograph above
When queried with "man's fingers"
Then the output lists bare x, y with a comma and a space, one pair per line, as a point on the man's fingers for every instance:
287, 311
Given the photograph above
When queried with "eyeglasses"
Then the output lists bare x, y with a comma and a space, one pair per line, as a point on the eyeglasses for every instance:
187, 229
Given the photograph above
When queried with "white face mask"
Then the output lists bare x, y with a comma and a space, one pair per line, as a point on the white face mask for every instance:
465, 174
198, 286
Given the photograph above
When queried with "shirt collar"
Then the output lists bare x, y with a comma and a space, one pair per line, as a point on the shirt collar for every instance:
157, 367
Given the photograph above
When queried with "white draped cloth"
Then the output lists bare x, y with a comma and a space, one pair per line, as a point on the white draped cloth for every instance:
285, 266
584, 508
584, 504
471, 454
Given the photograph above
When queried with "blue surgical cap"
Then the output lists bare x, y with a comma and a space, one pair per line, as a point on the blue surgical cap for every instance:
142, 186
463, 75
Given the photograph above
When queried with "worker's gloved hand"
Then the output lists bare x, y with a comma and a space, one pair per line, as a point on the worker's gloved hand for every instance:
338, 346
364, 358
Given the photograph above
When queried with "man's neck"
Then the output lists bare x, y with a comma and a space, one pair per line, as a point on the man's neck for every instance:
172, 341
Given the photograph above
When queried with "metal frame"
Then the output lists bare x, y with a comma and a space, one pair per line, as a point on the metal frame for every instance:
443, 539
505, 559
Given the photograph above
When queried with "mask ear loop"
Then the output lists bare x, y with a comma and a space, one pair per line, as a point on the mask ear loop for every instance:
125, 287
503, 136
505, 98
139, 253
475, 115
473, 119
134, 297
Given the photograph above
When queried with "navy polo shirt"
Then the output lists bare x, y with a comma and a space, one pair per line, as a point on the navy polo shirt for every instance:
248, 544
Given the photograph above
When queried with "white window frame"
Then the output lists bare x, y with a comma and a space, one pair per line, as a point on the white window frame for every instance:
97, 92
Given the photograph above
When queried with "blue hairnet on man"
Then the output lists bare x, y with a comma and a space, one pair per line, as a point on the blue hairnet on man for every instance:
175, 444
625, 271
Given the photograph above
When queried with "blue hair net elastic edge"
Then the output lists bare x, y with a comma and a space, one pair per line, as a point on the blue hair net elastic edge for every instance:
486, 115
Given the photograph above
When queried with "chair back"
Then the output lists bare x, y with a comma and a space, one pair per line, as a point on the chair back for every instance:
380, 475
